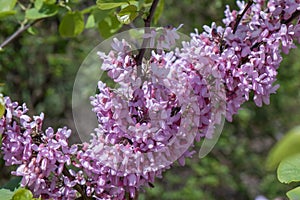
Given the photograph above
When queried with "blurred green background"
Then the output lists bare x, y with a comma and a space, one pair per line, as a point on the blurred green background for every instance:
40, 70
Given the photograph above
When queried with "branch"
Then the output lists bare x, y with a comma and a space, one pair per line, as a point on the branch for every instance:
294, 16
139, 58
77, 187
240, 16
17, 33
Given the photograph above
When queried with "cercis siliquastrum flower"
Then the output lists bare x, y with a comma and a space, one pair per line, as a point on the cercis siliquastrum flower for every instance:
155, 114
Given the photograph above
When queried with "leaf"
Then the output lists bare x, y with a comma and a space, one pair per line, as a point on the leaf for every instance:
96, 16
159, 10
90, 22
110, 4
127, 14
6, 194
7, 13
289, 169
109, 26
38, 4
283, 148
72, 24
46, 10
294, 194
13, 183
7, 5
22, 194
2, 106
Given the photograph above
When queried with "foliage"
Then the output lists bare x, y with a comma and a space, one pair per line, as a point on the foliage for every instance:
233, 170
286, 155
18, 194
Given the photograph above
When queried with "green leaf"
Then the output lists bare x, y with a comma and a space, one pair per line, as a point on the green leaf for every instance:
90, 22
287, 146
96, 16
7, 13
294, 194
127, 14
289, 169
109, 26
7, 5
22, 194
49, 1
46, 10
6, 194
2, 106
72, 24
110, 4
159, 10
38, 4
13, 183
32, 30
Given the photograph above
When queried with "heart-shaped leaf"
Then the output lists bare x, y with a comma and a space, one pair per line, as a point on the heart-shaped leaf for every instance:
72, 24
294, 194
287, 146
289, 169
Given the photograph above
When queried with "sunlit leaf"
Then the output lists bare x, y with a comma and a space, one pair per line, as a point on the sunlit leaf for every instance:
72, 24
2, 106
6, 8
289, 169
127, 14
287, 146
38, 4
46, 10
7, 5
110, 4
22, 194
294, 194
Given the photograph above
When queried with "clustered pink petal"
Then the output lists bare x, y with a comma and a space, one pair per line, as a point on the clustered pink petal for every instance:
153, 119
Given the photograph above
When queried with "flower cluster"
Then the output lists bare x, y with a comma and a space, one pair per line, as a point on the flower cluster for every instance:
157, 111
41, 156
246, 53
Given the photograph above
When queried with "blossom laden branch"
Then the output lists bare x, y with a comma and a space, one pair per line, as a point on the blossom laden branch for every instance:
139, 58
240, 16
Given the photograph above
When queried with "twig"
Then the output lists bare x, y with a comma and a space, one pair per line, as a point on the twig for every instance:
139, 58
17, 33
240, 16
77, 187
294, 16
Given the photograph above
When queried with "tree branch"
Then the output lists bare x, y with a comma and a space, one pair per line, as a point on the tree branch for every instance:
294, 16
139, 58
77, 187
240, 16
17, 33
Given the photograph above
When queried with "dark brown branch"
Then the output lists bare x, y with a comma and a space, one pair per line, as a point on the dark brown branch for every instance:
240, 16
139, 58
17, 33
294, 16
77, 187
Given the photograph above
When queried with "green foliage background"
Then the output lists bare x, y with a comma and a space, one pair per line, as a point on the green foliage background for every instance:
40, 69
